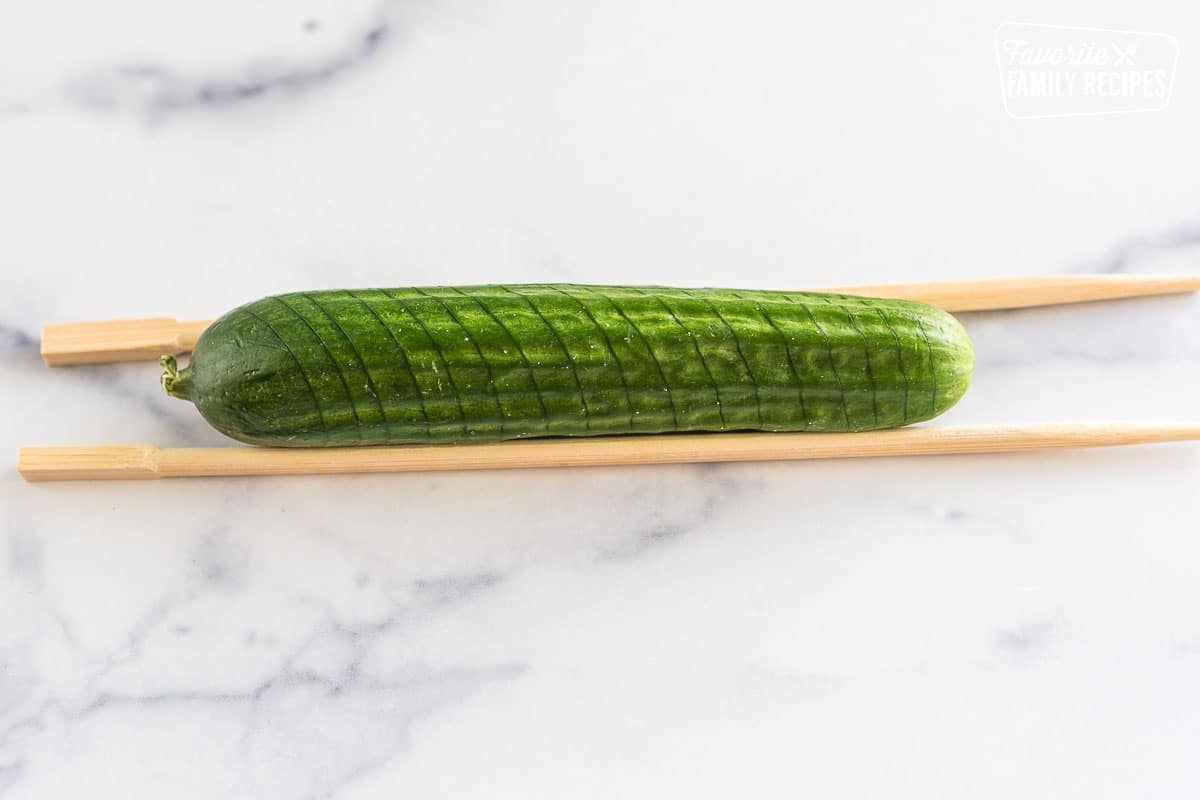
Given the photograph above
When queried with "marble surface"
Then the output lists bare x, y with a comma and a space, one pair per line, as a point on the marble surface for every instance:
1017, 626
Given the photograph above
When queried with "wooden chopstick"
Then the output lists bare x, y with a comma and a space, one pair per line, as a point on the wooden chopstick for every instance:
1026, 292
147, 339
108, 341
140, 462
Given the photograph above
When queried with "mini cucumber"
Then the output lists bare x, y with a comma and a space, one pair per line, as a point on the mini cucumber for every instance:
485, 363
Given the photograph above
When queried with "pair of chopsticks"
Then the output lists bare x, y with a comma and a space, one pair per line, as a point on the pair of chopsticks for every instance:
132, 340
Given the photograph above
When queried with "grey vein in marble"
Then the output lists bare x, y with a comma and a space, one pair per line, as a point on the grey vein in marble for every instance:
160, 89
1129, 254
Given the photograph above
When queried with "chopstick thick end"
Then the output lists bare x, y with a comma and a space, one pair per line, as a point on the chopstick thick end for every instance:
118, 340
88, 463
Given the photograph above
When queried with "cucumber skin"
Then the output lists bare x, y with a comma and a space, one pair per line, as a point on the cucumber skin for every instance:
487, 363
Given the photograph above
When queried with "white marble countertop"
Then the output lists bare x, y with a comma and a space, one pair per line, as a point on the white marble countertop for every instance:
1010, 626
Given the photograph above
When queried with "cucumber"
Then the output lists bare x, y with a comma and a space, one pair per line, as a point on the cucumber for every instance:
485, 363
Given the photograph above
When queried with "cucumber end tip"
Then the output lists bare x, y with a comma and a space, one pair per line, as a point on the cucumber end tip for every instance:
175, 382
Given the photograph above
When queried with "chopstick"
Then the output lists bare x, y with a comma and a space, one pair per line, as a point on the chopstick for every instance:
108, 341
993, 294
141, 462
147, 339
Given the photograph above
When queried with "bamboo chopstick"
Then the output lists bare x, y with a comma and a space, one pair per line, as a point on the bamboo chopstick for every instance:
107, 341
141, 462
1029, 291
147, 339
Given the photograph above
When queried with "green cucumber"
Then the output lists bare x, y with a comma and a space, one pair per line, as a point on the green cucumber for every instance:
485, 363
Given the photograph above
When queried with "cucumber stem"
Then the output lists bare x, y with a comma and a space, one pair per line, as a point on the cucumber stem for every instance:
175, 381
